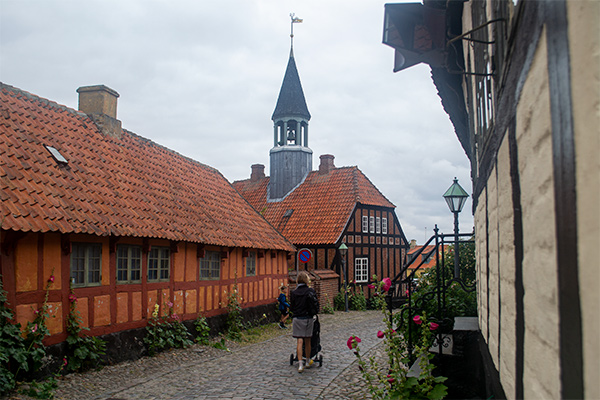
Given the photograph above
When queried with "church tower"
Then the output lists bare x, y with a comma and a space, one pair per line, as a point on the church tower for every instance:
290, 157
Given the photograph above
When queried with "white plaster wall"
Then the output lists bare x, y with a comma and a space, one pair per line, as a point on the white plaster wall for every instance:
584, 46
541, 369
480, 255
506, 262
493, 235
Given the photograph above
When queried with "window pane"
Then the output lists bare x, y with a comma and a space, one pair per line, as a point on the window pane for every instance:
86, 263
251, 264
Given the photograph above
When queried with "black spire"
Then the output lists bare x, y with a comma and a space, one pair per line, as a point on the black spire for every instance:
291, 102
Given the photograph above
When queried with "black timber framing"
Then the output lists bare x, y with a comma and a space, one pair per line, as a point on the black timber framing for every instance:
531, 18
565, 199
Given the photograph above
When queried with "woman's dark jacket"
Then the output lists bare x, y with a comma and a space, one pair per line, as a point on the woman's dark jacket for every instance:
301, 301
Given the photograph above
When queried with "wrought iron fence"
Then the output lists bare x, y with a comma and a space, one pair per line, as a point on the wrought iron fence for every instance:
405, 283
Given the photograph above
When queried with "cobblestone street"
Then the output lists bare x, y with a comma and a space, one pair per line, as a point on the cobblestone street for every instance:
258, 371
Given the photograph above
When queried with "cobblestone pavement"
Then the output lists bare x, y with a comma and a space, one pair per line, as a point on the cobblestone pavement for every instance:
258, 371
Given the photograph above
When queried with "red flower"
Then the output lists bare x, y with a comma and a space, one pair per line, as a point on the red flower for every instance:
433, 326
380, 334
390, 379
51, 279
417, 319
387, 283
72, 298
371, 286
352, 342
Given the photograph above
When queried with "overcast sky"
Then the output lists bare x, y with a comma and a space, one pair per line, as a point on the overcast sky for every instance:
202, 78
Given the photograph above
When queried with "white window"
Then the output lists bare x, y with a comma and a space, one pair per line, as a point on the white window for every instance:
361, 270
378, 226
251, 264
365, 224
372, 224
159, 259
384, 226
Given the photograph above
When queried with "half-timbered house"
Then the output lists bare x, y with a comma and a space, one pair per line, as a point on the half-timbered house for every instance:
122, 221
319, 210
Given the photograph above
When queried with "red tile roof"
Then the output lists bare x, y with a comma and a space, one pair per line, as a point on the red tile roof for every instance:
125, 187
322, 204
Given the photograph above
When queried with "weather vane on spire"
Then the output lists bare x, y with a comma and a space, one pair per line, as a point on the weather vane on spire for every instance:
295, 20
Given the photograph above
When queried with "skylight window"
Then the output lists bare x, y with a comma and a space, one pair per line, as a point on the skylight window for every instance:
288, 213
56, 155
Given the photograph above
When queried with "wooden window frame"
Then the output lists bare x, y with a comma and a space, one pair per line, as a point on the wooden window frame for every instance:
163, 257
129, 259
87, 258
209, 266
251, 263
361, 269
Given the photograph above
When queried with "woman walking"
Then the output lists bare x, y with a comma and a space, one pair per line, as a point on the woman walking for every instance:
305, 306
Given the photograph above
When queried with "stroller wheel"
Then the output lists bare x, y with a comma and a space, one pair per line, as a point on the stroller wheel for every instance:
320, 360
292, 359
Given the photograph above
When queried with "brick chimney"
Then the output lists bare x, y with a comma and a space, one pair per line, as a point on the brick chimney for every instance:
326, 164
258, 172
100, 103
413, 243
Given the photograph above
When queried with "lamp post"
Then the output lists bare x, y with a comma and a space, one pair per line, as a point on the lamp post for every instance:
343, 251
456, 197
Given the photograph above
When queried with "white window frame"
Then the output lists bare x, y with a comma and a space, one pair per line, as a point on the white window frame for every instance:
129, 261
372, 224
384, 227
87, 257
210, 266
361, 270
378, 225
159, 263
365, 224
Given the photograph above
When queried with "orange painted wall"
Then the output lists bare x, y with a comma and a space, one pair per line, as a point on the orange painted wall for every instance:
26, 260
102, 310
133, 303
122, 307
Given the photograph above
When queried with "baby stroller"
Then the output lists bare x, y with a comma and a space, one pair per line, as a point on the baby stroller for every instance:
315, 345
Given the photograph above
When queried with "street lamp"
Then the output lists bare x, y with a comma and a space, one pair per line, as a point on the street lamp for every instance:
343, 251
456, 197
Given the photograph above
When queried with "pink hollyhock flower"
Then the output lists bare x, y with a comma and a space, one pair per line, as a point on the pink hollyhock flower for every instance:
433, 326
34, 328
72, 298
352, 342
51, 279
417, 319
169, 304
371, 286
380, 334
387, 283
64, 361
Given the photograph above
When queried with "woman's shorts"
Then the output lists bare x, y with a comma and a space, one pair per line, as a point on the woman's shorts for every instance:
302, 327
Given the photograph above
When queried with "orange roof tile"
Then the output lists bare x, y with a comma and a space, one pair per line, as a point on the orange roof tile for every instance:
125, 187
322, 204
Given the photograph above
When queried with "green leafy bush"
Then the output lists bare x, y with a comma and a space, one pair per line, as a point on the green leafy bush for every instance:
83, 352
202, 330
166, 331
391, 381
235, 324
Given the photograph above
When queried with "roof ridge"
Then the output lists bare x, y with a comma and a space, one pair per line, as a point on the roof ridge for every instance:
153, 143
42, 100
